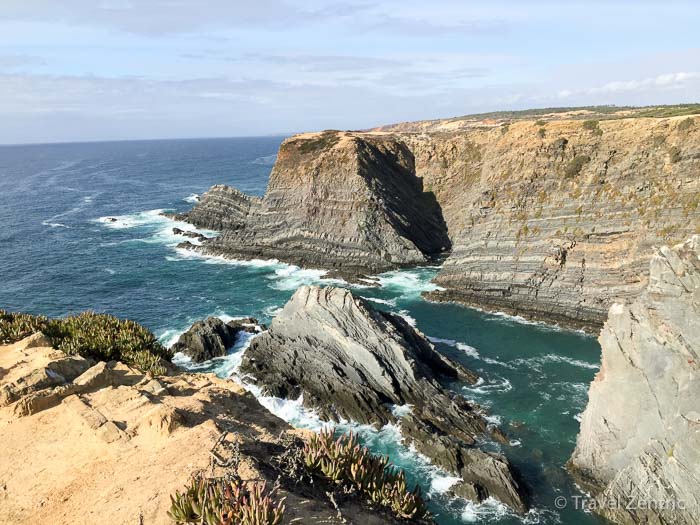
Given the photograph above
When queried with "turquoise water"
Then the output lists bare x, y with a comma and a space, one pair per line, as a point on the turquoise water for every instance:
58, 256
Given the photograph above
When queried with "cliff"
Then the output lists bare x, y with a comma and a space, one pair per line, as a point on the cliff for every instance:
640, 433
552, 218
93, 442
333, 201
356, 363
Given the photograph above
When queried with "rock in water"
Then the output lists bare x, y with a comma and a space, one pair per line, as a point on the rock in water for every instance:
640, 433
212, 337
351, 361
334, 201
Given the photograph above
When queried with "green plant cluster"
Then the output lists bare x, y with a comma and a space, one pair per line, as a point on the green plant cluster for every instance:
217, 501
686, 124
573, 168
89, 334
326, 140
344, 462
593, 126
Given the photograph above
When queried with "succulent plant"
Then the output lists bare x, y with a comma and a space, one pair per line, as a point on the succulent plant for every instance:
344, 462
99, 336
217, 501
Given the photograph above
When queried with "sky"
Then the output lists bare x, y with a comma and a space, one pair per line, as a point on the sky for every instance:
78, 70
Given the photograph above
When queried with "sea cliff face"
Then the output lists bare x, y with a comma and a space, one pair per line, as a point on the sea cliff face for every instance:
550, 219
334, 201
639, 445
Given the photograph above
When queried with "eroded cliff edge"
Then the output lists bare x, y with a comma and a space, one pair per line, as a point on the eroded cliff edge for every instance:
638, 450
550, 219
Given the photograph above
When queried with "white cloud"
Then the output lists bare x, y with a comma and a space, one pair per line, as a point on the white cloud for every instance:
665, 81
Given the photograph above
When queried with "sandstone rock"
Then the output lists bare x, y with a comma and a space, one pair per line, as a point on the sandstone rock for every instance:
640, 436
351, 361
212, 337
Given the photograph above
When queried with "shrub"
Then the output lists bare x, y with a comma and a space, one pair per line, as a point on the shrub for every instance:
540, 123
218, 501
541, 132
592, 125
343, 462
97, 336
686, 124
674, 154
325, 140
573, 169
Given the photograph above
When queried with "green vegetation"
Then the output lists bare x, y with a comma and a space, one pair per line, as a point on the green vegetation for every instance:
686, 124
97, 336
217, 501
593, 126
600, 112
573, 168
505, 128
674, 154
541, 132
326, 140
344, 463
540, 123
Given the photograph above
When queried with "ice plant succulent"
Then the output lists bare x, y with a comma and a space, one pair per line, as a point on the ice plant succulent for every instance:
344, 462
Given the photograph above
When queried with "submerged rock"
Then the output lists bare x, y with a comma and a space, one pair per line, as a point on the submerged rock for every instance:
639, 444
353, 362
192, 235
212, 337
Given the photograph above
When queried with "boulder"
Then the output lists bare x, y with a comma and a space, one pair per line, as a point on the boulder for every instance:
212, 337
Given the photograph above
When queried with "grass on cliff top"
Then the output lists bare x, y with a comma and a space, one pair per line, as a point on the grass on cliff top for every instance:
92, 335
603, 112
326, 140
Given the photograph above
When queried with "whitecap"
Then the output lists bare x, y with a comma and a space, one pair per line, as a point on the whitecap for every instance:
489, 510
267, 160
153, 221
388, 302
401, 410
55, 224
192, 198
409, 283
407, 317
109, 271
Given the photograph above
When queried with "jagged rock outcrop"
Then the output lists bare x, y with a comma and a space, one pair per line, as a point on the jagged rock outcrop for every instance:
351, 361
220, 208
116, 444
640, 433
334, 201
212, 337
552, 219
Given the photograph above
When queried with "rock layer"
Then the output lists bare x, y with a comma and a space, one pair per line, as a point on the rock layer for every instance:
351, 361
640, 433
334, 201
550, 219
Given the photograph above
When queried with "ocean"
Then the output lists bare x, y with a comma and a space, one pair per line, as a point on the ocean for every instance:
60, 255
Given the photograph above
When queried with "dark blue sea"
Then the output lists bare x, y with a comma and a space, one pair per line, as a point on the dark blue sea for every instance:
59, 255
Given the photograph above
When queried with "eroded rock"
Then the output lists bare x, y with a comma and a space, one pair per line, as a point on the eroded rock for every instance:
351, 361
212, 337
640, 435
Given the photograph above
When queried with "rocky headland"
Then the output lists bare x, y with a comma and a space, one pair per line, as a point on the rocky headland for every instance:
638, 450
551, 216
353, 362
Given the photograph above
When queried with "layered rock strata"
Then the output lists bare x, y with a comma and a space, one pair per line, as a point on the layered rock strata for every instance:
638, 450
550, 219
334, 201
353, 362
212, 337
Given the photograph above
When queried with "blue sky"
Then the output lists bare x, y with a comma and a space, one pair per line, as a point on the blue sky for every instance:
120, 69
